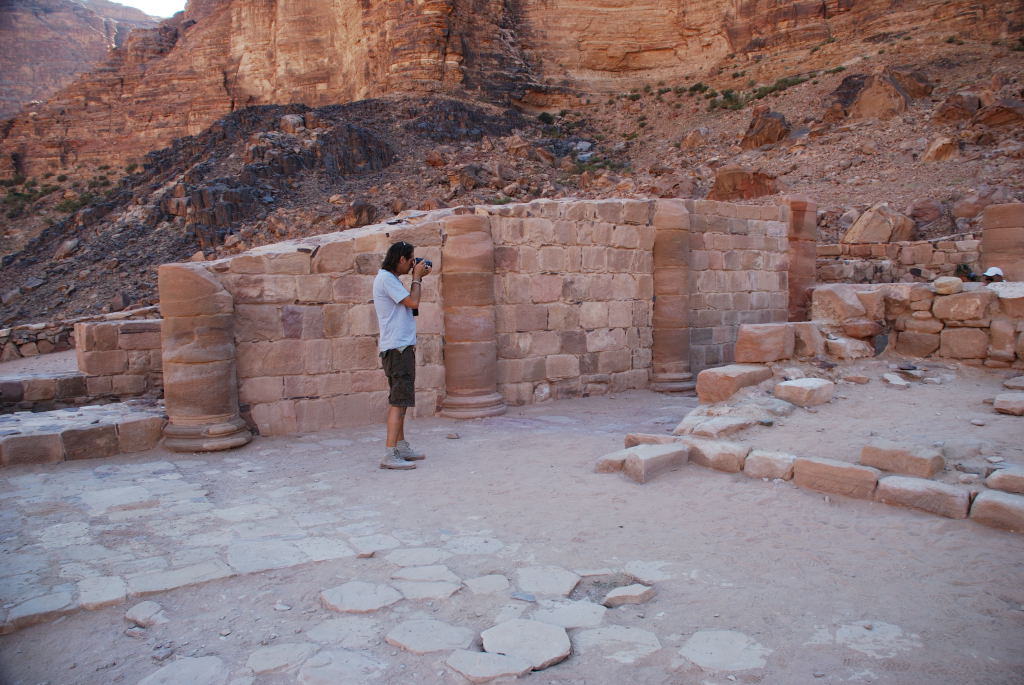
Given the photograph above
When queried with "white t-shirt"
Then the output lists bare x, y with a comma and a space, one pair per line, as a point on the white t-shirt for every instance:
396, 322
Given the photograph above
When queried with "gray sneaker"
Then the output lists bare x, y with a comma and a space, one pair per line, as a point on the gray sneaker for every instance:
405, 451
391, 460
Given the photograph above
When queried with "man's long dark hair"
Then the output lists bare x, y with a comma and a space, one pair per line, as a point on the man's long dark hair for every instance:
396, 252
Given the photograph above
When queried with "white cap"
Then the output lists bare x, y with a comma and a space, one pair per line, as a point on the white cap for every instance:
994, 271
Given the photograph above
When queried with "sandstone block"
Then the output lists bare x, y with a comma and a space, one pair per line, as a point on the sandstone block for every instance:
947, 285
643, 463
719, 384
848, 348
927, 495
836, 303
923, 462
103, 363
767, 464
765, 342
138, 435
1010, 479
880, 224
1010, 403
90, 443
482, 667
963, 343
805, 392
963, 306
39, 448
358, 597
720, 455
809, 342
829, 475
915, 344
999, 510
633, 439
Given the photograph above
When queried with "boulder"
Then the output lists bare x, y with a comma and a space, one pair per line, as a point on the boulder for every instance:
880, 224
959, 106
766, 128
835, 303
947, 285
881, 97
941, 149
742, 183
973, 204
1005, 112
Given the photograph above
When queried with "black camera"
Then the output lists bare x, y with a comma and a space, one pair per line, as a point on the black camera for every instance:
426, 261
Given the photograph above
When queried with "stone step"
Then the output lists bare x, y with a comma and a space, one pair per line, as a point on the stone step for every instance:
84, 432
42, 391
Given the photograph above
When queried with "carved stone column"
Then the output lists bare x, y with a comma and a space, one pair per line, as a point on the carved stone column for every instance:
670, 365
802, 231
200, 383
470, 337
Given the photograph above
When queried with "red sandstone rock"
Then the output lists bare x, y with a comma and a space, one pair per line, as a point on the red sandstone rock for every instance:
740, 183
719, 384
765, 342
880, 224
805, 392
766, 127
963, 343
912, 461
927, 495
828, 475
999, 510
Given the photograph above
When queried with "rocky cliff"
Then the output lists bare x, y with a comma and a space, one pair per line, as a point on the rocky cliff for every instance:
221, 55
45, 44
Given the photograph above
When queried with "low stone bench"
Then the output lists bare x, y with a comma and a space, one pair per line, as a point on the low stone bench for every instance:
79, 433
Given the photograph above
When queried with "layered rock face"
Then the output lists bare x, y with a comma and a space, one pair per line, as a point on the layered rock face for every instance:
44, 44
221, 55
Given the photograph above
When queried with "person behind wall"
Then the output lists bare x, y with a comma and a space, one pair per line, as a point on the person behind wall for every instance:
993, 275
395, 307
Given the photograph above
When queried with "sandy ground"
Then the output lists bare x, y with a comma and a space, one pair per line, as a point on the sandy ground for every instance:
54, 362
818, 590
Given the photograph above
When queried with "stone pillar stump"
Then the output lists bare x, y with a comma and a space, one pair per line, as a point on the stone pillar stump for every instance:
802, 231
198, 348
670, 364
470, 337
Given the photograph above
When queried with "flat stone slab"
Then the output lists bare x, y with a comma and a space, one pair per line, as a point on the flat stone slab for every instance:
350, 632
263, 555
926, 495
1010, 403
417, 591
161, 581
999, 510
1015, 383
805, 392
357, 597
277, 658
102, 591
1010, 479
643, 463
421, 556
422, 636
429, 574
40, 609
487, 585
481, 667
206, 670
838, 477
768, 464
540, 644
569, 614
724, 650
912, 460
324, 549
720, 426
546, 580
331, 667
623, 644
146, 614
628, 594
368, 545
647, 572
473, 545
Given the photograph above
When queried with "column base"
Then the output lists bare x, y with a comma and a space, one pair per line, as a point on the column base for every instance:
473, 406
210, 437
672, 382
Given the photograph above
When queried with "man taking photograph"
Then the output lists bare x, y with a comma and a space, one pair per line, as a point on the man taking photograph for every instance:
396, 307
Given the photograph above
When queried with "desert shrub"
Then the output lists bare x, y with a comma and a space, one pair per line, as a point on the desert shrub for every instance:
546, 118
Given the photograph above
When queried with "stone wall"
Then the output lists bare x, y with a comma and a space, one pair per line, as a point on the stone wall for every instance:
999, 243
526, 302
969, 322
120, 358
892, 262
29, 340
